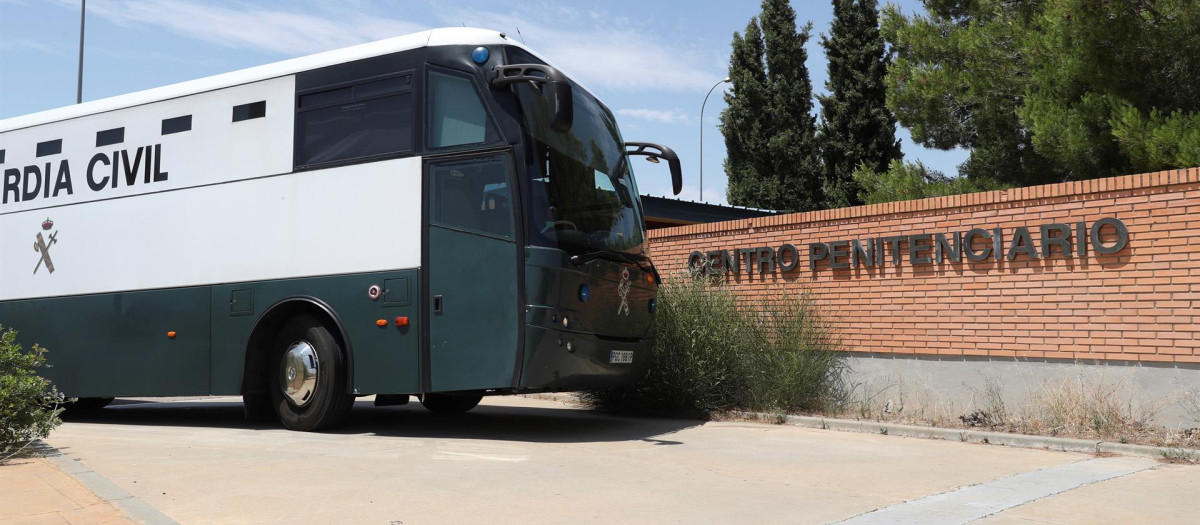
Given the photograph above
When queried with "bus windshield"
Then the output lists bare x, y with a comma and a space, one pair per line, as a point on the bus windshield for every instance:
582, 194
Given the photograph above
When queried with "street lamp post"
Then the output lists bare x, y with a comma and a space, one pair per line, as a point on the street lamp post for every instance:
710, 90
79, 79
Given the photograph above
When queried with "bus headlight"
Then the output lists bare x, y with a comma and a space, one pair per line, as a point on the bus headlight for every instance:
585, 292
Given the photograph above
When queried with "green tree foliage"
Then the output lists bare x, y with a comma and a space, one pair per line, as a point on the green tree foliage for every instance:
958, 79
1047, 90
1113, 88
770, 133
856, 125
29, 404
1157, 141
904, 181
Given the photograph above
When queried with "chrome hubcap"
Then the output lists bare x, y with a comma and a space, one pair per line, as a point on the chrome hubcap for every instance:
299, 372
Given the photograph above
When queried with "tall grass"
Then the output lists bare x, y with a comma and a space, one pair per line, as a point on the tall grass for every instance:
713, 352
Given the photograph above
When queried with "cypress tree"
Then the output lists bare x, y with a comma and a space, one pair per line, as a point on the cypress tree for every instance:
743, 121
857, 127
774, 160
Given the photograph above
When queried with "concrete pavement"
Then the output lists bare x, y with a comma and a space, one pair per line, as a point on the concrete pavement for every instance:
518, 460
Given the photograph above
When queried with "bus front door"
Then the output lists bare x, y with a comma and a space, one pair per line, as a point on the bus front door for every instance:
471, 262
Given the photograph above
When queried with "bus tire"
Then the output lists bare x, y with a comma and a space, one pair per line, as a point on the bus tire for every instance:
450, 403
307, 375
258, 406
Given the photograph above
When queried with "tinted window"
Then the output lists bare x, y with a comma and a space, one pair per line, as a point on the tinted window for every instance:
50, 147
250, 111
176, 125
109, 137
323, 98
353, 122
456, 115
473, 195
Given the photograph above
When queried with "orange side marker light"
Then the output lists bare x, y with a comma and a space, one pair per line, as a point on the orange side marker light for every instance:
381, 322
171, 334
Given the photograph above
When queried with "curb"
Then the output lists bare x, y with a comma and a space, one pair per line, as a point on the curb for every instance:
1086, 446
132, 506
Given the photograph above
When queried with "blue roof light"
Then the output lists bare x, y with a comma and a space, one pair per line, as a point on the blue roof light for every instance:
480, 55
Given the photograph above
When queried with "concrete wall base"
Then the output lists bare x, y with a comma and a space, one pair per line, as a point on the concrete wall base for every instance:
932, 386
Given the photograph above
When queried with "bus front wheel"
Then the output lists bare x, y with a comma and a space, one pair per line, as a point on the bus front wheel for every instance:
307, 376
450, 403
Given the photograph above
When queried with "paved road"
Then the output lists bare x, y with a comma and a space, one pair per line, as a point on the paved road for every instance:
519, 460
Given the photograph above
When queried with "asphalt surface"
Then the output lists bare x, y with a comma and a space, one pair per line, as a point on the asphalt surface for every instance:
520, 460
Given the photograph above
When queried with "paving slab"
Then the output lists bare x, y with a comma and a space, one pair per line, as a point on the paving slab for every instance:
35, 491
970, 504
1168, 494
515, 460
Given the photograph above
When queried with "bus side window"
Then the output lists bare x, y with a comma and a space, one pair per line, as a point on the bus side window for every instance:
354, 123
473, 195
457, 116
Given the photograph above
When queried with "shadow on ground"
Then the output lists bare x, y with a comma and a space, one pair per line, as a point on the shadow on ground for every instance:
490, 422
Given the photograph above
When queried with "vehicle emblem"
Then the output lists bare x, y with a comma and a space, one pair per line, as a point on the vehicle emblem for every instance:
43, 247
623, 291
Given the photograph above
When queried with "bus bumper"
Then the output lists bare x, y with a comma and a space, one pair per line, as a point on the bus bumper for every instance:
561, 360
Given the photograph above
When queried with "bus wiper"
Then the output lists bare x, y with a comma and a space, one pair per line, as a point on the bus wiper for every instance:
642, 261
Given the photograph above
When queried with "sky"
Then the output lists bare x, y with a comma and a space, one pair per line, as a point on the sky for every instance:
650, 62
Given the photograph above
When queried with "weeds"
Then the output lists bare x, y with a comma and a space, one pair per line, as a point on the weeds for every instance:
1076, 404
713, 353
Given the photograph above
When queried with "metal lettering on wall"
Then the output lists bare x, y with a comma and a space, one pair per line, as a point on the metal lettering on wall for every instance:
975, 245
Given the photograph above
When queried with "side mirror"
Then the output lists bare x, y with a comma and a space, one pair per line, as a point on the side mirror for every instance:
556, 89
655, 152
560, 100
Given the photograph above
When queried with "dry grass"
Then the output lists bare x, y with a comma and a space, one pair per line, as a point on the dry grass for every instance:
1073, 406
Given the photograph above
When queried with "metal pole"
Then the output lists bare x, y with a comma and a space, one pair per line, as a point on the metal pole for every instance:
79, 85
710, 90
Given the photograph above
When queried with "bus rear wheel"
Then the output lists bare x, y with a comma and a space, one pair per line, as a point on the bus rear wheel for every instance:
307, 376
450, 403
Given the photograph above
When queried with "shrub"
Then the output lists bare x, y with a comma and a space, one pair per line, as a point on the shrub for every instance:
714, 353
29, 404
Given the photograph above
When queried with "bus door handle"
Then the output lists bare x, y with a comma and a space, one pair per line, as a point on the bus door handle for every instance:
437, 305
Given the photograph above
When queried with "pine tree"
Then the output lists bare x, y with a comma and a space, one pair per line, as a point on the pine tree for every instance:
958, 79
857, 127
1042, 91
770, 132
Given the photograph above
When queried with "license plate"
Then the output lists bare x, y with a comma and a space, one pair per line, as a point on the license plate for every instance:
620, 356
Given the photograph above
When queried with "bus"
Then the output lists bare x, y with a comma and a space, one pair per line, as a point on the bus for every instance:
443, 214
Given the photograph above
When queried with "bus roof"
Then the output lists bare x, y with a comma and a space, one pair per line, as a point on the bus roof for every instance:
433, 37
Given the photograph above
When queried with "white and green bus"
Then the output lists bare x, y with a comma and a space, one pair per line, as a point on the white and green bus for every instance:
442, 214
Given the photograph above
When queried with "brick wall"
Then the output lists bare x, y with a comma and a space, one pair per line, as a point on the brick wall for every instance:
1138, 303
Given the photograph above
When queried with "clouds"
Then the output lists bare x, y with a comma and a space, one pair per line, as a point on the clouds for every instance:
664, 116
29, 44
598, 49
271, 29
602, 50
